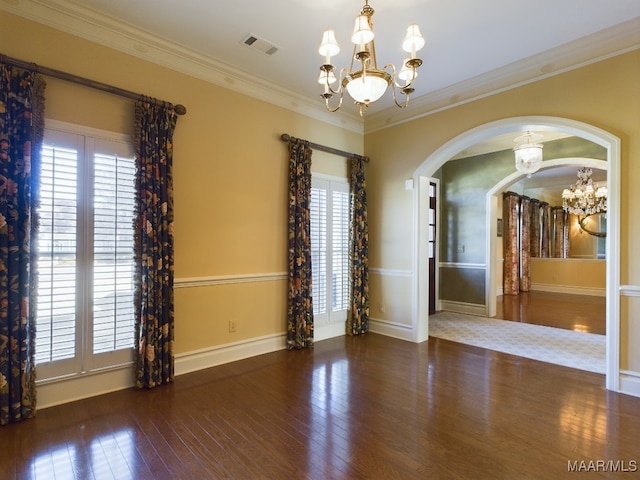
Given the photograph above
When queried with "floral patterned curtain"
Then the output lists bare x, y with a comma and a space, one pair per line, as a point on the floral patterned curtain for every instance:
21, 133
358, 314
511, 266
154, 244
544, 240
535, 227
300, 300
525, 244
561, 233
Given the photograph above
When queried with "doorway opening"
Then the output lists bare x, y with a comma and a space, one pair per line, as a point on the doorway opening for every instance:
423, 177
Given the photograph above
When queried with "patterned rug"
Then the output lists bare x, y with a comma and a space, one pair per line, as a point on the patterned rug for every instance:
584, 351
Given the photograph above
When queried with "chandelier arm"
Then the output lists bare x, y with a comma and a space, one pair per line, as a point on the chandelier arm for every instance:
330, 92
328, 88
333, 109
395, 84
581, 221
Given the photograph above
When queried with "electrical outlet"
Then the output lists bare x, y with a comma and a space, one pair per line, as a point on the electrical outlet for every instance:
232, 326
382, 308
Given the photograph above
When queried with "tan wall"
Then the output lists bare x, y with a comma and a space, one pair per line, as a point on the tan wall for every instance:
230, 176
231, 169
605, 94
571, 272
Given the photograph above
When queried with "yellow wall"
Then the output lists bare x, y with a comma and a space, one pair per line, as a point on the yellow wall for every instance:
231, 172
230, 177
605, 94
572, 272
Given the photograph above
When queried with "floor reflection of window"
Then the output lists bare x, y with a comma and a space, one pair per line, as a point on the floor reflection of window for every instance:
330, 405
112, 456
59, 462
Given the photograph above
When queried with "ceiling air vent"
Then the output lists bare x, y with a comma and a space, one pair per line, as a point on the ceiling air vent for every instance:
260, 44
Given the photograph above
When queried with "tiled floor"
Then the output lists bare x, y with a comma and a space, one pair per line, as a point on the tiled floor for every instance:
584, 351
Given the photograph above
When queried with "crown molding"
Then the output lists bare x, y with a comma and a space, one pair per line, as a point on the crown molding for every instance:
77, 20
82, 22
607, 43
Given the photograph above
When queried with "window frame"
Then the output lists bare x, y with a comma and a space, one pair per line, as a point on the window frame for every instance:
87, 141
332, 322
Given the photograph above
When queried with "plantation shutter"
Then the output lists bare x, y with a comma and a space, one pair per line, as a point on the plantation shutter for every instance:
113, 267
85, 262
319, 250
57, 247
330, 223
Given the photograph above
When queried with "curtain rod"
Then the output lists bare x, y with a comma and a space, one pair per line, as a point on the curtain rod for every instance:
285, 137
179, 109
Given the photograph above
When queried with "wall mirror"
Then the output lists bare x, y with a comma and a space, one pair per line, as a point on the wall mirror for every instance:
586, 234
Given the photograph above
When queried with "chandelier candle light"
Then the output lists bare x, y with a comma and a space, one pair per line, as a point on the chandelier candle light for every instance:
368, 83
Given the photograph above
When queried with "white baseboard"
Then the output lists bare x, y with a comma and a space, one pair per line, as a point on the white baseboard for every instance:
78, 387
230, 352
461, 307
330, 330
595, 292
630, 383
391, 329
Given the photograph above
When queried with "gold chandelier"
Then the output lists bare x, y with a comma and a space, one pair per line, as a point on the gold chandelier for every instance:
368, 83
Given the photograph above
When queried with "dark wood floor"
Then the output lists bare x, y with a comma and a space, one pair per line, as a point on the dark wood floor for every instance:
582, 313
369, 407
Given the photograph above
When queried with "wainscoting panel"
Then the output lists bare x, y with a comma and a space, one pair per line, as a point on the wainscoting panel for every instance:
390, 300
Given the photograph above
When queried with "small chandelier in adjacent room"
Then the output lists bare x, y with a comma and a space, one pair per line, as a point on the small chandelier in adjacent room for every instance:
364, 81
528, 153
585, 197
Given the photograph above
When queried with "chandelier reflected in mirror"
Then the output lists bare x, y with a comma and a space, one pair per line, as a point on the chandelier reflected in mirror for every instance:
363, 80
585, 198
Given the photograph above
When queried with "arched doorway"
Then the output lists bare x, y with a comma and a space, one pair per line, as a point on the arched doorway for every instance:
515, 125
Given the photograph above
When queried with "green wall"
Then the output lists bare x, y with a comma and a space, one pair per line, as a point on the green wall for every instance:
464, 186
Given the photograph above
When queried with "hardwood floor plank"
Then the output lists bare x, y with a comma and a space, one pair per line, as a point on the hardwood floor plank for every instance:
352, 407
581, 313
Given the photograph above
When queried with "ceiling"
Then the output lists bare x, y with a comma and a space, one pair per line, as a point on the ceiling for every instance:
474, 48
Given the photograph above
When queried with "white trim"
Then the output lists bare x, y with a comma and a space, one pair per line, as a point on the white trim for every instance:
80, 21
229, 279
329, 330
462, 307
67, 127
388, 272
538, 123
391, 329
460, 265
85, 23
78, 387
330, 178
596, 292
230, 352
608, 43
630, 382
630, 290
